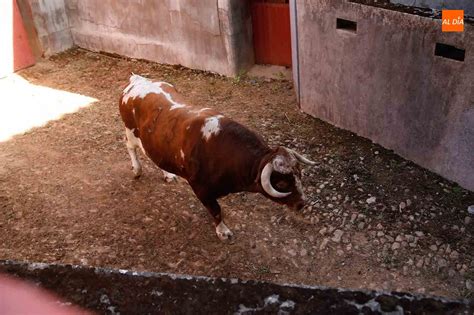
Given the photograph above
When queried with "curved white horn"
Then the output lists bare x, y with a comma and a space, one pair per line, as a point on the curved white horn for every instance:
301, 158
267, 185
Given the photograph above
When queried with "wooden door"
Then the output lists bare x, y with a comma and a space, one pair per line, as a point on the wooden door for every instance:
16, 50
271, 32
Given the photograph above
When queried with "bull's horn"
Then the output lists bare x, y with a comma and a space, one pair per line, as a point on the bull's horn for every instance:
301, 158
267, 185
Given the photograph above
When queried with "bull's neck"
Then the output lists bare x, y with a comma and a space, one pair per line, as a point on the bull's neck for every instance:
259, 159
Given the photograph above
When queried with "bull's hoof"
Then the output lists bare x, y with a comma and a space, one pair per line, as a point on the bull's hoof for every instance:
223, 232
168, 177
137, 173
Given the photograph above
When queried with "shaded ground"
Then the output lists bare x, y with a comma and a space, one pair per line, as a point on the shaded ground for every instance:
376, 220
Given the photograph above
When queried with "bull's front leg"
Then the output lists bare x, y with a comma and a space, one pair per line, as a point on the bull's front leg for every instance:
222, 230
214, 209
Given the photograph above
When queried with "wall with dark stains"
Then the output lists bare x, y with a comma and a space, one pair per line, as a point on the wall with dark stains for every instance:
213, 35
385, 83
200, 34
466, 5
52, 25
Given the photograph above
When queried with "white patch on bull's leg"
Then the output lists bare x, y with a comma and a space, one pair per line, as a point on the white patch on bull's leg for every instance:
211, 127
134, 141
132, 144
137, 168
141, 147
169, 177
223, 232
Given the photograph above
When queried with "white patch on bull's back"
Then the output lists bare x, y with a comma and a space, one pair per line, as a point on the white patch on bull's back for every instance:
166, 83
211, 126
141, 87
203, 109
198, 111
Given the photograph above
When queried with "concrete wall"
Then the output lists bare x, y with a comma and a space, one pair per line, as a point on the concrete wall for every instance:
201, 34
385, 83
52, 25
466, 5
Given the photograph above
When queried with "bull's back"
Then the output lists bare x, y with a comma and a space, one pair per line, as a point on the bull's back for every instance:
195, 143
166, 135
166, 124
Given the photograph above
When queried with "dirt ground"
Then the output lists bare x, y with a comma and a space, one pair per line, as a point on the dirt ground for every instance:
376, 221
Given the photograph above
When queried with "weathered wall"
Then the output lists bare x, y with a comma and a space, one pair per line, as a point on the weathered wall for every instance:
466, 5
385, 83
201, 34
52, 25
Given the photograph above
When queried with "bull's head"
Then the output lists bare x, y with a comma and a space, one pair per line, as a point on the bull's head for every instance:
280, 177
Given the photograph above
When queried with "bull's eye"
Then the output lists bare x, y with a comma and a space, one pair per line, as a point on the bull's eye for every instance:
282, 185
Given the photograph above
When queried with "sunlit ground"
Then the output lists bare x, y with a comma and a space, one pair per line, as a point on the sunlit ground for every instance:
25, 105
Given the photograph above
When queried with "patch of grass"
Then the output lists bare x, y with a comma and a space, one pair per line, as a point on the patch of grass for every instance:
469, 274
391, 261
275, 87
457, 190
260, 270
240, 77
466, 294
394, 163
386, 259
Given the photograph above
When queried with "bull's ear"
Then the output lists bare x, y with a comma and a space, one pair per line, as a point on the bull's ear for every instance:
301, 158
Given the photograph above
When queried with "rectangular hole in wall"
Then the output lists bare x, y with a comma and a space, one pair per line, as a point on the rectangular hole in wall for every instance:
347, 25
450, 52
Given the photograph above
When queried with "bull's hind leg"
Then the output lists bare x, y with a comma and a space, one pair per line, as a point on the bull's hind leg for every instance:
169, 177
132, 144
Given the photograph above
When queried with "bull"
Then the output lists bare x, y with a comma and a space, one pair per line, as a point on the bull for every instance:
216, 155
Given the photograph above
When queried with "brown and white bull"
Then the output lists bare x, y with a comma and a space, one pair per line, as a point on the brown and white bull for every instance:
216, 155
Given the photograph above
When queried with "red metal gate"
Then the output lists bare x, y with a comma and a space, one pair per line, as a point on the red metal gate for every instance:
16, 52
271, 32
22, 54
